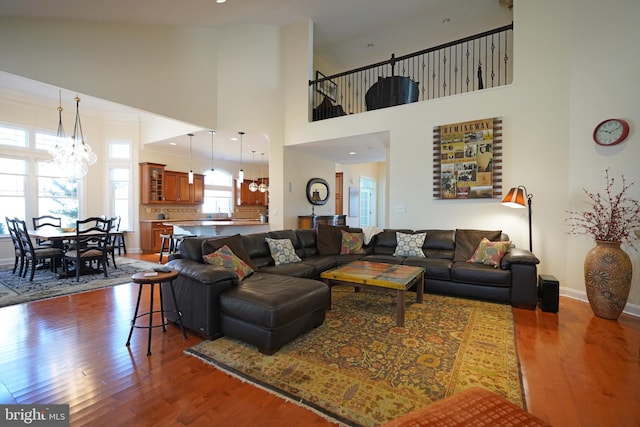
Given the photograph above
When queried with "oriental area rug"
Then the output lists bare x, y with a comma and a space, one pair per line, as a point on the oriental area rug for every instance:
359, 368
45, 284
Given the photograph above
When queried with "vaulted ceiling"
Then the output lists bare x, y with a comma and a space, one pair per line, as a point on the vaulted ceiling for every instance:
347, 33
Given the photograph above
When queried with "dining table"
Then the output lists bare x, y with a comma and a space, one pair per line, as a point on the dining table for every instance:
58, 238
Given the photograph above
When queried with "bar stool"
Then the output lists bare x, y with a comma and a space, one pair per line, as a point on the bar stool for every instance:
170, 244
147, 278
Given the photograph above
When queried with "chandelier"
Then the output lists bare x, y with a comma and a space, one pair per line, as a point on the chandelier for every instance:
262, 187
72, 156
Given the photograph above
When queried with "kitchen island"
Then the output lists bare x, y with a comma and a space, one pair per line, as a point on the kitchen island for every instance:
215, 227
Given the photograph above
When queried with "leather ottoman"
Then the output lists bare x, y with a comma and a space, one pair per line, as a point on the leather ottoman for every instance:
268, 310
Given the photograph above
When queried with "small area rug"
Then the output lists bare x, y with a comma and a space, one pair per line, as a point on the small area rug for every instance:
358, 368
45, 284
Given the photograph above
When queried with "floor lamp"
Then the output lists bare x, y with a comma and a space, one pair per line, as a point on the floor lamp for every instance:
515, 198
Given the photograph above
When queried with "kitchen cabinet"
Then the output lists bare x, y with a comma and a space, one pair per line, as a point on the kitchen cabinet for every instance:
197, 189
151, 183
159, 185
150, 232
177, 187
248, 197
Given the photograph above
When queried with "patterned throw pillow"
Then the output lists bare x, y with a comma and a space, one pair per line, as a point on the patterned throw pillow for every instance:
490, 253
352, 243
282, 251
410, 244
224, 257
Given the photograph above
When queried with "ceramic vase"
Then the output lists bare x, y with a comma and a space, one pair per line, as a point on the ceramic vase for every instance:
607, 277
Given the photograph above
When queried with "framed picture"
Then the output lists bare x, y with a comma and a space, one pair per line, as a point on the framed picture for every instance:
467, 158
327, 87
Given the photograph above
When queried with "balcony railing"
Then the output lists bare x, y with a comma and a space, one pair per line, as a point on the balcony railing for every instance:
466, 65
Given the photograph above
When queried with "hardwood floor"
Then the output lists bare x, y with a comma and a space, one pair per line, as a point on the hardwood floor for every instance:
578, 370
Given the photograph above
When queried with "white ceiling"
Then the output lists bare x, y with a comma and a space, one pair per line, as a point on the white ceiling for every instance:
347, 33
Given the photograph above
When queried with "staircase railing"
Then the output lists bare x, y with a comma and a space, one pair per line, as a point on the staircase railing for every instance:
469, 64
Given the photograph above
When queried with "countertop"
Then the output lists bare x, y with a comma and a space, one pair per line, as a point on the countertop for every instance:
211, 222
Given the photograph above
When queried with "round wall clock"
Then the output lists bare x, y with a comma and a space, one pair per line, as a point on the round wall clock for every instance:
611, 132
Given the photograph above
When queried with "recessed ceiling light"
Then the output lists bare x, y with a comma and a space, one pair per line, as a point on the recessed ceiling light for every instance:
172, 143
220, 1
351, 153
233, 138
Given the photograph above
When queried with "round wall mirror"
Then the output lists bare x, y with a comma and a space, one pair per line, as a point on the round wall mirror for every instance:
317, 191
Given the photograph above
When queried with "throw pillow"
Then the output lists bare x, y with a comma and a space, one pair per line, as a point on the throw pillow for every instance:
233, 242
409, 244
282, 251
352, 243
468, 240
224, 257
490, 253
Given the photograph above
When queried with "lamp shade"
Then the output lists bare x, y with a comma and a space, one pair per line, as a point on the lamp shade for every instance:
515, 198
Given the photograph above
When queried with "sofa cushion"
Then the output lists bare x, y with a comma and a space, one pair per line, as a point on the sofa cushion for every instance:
329, 239
294, 269
352, 243
308, 239
490, 253
468, 240
439, 243
224, 257
282, 251
434, 268
480, 274
385, 243
409, 244
258, 249
234, 243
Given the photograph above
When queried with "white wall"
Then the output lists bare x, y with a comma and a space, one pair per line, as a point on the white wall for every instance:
569, 75
169, 71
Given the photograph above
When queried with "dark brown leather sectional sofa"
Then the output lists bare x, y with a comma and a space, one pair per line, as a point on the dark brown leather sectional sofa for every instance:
276, 304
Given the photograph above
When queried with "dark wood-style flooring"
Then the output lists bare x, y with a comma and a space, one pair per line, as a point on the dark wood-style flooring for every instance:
578, 370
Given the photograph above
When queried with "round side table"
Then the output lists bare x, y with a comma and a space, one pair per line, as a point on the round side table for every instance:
148, 278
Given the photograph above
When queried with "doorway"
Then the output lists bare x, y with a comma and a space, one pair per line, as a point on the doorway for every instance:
368, 214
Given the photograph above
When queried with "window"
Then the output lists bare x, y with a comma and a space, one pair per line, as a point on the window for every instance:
13, 137
56, 196
120, 193
218, 192
13, 184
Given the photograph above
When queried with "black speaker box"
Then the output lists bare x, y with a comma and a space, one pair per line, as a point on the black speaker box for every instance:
548, 293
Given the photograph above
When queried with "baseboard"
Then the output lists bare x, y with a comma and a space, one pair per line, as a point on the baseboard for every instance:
630, 309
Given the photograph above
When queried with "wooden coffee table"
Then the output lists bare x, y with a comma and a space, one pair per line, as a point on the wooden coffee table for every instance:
390, 277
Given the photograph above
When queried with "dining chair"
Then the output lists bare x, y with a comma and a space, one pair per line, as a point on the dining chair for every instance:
111, 244
32, 255
118, 238
90, 244
46, 221
17, 246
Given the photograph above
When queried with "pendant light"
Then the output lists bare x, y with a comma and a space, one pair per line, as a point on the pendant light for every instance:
253, 187
241, 172
262, 187
190, 155
211, 132
72, 157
